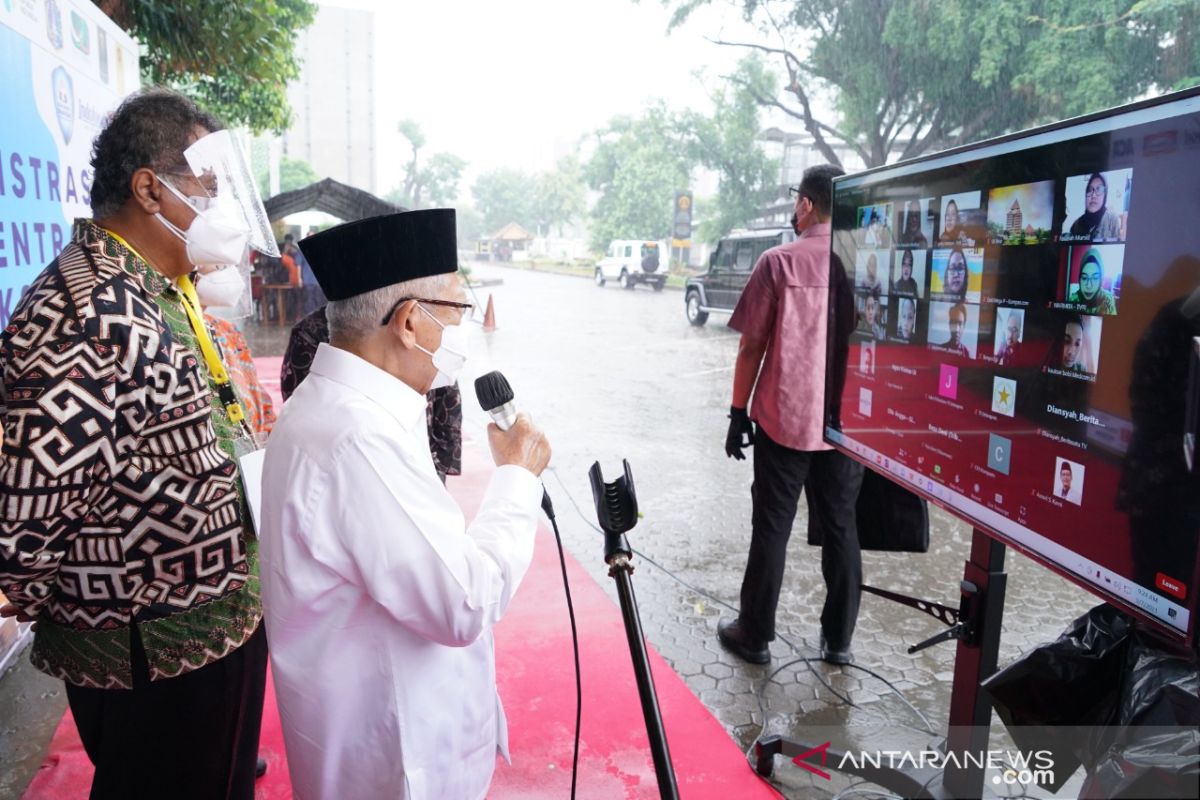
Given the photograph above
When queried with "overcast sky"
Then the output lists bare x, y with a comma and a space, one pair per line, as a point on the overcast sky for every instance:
517, 82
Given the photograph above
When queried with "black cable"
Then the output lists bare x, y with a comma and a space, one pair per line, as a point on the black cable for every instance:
928, 726
548, 507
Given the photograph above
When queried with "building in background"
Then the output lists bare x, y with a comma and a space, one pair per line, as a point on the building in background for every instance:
333, 100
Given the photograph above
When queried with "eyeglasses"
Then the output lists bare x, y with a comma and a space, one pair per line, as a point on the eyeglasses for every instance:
1092, 191
208, 184
466, 307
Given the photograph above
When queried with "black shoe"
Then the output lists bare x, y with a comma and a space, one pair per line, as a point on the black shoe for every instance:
831, 656
733, 637
260, 768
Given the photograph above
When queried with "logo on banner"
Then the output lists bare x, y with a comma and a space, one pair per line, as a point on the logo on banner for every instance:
64, 102
80, 37
54, 31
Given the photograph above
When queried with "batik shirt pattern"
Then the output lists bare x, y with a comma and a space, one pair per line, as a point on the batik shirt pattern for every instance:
120, 502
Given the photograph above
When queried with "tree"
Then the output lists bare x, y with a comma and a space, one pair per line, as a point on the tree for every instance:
469, 223
559, 195
235, 59
503, 196
637, 166
433, 184
294, 174
911, 77
728, 143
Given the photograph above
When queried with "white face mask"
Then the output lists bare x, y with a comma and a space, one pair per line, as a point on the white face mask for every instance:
450, 355
222, 288
215, 238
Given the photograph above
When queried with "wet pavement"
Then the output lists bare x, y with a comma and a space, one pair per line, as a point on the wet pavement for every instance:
612, 374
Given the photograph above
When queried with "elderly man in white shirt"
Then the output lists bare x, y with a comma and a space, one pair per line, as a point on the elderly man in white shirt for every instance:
379, 597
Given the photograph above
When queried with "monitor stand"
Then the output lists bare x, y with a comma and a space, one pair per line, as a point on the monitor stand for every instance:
976, 626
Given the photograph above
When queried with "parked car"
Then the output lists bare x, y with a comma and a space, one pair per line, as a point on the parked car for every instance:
633, 261
729, 268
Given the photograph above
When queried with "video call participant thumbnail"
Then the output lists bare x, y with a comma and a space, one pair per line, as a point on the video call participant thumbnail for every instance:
906, 319
962, 220
872, 314
1096, 210
1090, 274
874, 225
866, 357
867, 270
911, 224
957, 274
1068, 481
1078, 351
1021, 214
1008, 348
908, 278
953, 328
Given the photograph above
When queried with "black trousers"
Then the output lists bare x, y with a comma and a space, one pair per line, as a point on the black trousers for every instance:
833, 479
194, 736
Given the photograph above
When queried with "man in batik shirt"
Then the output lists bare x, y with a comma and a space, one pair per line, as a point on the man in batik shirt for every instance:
123, 531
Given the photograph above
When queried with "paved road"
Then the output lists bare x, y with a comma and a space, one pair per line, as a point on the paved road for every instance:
614, 374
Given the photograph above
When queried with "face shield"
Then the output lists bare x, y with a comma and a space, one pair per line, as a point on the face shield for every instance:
218, 164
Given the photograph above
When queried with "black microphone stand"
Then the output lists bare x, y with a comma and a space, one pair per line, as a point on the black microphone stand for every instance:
616, 508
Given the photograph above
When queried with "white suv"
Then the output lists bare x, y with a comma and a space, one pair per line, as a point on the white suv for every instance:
633, 261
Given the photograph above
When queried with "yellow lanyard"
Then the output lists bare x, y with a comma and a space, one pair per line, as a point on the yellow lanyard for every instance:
191, 304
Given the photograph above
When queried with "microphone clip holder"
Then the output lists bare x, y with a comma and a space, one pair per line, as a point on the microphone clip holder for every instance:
617, 512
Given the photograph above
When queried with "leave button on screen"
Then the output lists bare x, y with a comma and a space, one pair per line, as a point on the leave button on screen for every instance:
1170, 586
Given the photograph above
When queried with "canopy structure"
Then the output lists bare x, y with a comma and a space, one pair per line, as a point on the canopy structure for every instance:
512, 232
336, 199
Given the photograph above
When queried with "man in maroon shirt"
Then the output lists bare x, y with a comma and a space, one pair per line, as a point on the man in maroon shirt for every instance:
783, 318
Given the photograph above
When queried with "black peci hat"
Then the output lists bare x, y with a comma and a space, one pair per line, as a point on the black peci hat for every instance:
368, 254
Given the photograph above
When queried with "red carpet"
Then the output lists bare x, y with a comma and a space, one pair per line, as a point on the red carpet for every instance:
537, 684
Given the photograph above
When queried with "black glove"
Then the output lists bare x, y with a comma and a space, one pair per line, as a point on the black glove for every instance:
739, 426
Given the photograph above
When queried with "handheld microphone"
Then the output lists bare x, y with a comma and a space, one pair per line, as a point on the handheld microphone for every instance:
495, 396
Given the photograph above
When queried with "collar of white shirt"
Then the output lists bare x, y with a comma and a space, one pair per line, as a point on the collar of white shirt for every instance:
393, 396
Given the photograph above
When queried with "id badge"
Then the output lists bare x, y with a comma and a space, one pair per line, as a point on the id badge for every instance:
250, 452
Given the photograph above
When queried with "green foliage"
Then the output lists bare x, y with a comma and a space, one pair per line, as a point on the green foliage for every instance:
559, 196
432, 184
727, 143
235, 59
911, 76
294, 174
503, 196
538, 202
638, 165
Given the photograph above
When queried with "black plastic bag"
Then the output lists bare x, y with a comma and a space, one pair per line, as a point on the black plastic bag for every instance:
1112, 698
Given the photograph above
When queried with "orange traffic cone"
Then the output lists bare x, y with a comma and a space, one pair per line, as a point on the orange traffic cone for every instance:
489, 316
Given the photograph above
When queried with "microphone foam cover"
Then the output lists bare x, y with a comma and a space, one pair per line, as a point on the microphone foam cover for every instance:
493, 390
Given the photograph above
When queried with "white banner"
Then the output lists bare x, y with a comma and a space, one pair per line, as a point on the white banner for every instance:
66, 66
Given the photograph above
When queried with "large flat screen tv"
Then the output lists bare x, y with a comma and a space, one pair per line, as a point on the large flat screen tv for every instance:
1014, 339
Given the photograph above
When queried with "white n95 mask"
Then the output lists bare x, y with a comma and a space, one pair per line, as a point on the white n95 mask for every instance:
222, 288
215, 237
450, 355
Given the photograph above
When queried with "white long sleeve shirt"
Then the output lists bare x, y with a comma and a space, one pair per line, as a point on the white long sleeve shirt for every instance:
379, 599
